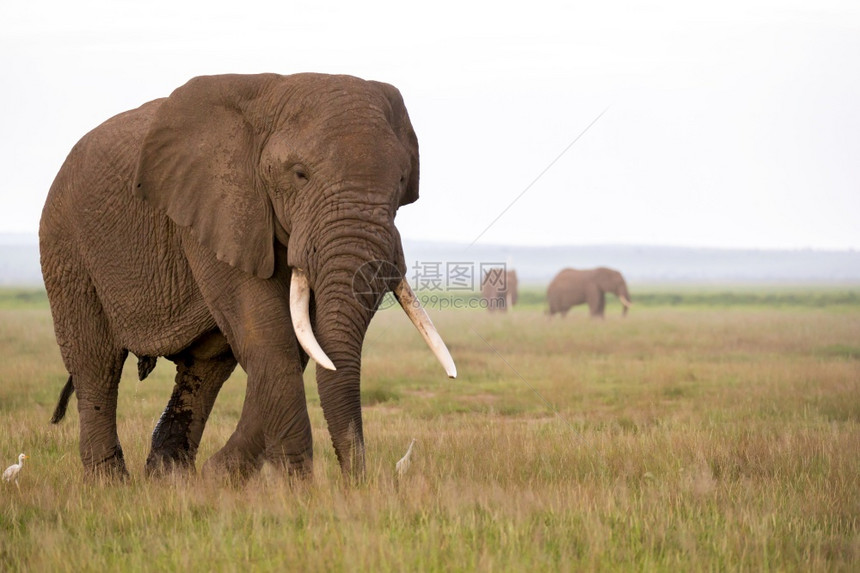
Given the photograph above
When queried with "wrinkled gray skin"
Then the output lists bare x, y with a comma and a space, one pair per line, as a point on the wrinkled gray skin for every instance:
499, 292
571, 287
172, 230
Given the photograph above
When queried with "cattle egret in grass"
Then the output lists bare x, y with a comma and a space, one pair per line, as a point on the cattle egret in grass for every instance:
403, 465
12, 471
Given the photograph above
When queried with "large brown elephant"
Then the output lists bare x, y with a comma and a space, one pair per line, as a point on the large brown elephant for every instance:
571, 287
243, 219
499, 289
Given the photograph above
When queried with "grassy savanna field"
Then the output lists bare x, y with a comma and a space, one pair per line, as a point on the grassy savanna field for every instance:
712, 429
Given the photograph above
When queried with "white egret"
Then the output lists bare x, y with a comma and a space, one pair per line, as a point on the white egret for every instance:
403, 465
12, 471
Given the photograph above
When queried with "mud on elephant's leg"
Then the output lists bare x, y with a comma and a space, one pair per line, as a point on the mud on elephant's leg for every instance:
177, 435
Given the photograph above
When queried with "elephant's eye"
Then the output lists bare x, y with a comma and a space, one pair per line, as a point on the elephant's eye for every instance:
300, 173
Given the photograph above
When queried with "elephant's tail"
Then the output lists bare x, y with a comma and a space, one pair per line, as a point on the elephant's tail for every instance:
63, 402
145, 364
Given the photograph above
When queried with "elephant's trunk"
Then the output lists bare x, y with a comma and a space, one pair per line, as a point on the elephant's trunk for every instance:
341, 322
370, 281
347, 291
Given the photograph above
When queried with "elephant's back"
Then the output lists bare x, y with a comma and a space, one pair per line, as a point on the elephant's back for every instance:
98, 168
565, 289
131, 253
566, 276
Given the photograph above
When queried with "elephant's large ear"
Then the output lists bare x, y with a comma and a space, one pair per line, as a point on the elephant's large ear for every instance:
198, 164
403, 128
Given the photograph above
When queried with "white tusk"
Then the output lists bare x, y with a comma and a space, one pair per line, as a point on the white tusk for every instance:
416, 313
624, 301
300, 298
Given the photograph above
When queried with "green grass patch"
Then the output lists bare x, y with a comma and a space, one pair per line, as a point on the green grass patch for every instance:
377, 395
23, 298
657, 296
758, 297
850, 352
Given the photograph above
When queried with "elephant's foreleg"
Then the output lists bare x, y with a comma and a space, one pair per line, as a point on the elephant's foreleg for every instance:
600, 308
177, 435
596, 300
254, 317
288, 438
274, 426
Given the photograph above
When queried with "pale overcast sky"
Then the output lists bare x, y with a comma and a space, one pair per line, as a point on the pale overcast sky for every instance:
736, 124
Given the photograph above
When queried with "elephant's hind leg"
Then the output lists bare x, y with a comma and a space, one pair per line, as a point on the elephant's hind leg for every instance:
201, 370
97, 386
94, 360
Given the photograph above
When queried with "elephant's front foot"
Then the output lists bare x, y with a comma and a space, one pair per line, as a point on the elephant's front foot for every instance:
302, 468
233, 464
295, 466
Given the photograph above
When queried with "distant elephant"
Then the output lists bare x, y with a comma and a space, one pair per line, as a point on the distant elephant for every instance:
571, 287
243, 219
499, 289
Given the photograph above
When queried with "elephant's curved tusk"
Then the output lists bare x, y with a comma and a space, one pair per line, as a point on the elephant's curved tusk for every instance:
624, 300
300, 298
416, 313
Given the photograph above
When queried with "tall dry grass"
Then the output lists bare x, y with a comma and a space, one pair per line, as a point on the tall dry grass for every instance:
677, 439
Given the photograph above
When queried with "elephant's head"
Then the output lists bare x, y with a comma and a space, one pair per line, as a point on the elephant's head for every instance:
610, 280
318, 164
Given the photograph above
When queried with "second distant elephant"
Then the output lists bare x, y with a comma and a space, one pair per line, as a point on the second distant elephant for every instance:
571, 287
499, 289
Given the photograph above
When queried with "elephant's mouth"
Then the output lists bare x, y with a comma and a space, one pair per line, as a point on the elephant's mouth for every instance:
300, 294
